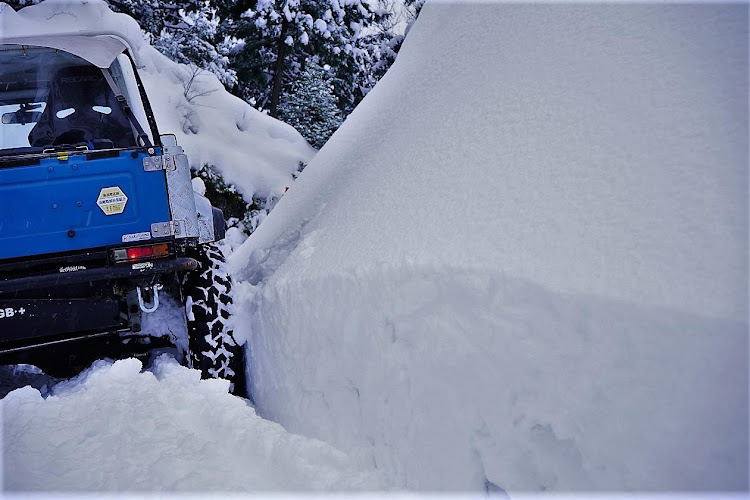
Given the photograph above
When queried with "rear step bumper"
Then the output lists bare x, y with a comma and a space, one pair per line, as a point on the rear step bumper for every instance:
98, 274
67, 357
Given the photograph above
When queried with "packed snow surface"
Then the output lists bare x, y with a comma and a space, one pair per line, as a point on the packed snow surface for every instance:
118, 428
521, 263
255, 152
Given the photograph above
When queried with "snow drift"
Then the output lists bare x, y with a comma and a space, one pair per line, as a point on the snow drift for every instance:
521, 263
116, 428
255, 152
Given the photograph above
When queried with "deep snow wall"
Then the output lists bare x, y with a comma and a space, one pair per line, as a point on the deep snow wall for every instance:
446, 378
596, 149
522, 260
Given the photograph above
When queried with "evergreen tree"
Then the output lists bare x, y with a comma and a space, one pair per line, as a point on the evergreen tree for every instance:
195, 40
152, 15
280, 35
310, 106
19, 4
186, 31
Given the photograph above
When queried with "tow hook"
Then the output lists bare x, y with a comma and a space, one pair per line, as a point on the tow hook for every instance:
154, 291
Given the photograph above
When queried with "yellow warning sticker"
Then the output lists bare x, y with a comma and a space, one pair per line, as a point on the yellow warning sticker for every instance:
112, 200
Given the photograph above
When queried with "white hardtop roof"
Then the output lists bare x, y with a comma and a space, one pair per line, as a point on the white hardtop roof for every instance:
93, 32
98, 49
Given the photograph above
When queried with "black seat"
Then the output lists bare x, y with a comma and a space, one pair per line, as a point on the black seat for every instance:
81, 88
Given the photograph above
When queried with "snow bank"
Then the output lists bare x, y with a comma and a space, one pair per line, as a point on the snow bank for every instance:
255, 152
522, 260
115, 428
445, 378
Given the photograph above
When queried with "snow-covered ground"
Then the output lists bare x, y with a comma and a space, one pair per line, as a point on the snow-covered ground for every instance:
522, 261
118, 428
521, 264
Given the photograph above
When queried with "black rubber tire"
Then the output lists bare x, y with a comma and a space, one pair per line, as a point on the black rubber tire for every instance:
207, 294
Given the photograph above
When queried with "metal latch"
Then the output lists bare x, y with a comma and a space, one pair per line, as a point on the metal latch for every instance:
175, 228
163, 162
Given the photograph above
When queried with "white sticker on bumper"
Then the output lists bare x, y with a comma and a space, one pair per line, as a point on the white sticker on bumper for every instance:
127, 238
9, 312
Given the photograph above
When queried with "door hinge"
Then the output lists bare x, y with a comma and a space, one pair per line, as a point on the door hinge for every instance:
163, 162
175, 228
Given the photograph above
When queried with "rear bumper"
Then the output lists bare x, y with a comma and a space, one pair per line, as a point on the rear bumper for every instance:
98, 274
65, 357
41, 313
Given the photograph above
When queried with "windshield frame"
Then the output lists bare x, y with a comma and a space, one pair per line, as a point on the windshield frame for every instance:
127, 81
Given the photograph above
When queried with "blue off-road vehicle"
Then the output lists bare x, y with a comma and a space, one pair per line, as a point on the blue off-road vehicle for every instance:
98, 216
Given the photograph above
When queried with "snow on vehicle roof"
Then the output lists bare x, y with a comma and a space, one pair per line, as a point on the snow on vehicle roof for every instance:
99, 50
85, 34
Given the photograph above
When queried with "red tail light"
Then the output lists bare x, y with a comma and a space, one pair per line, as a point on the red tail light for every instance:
137, 254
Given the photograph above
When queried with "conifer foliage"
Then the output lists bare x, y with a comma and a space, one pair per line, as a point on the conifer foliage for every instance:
186, 31
281, 35
310, 106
